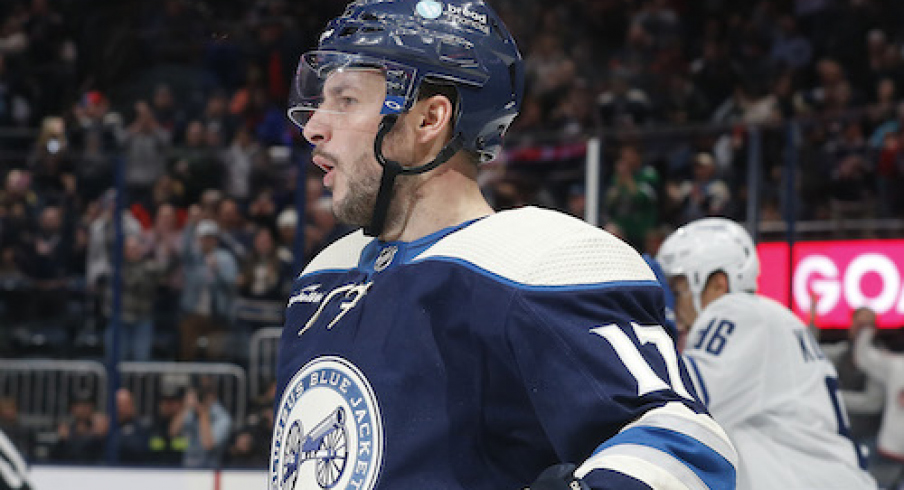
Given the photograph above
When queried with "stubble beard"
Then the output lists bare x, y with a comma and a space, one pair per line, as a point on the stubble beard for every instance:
357, 208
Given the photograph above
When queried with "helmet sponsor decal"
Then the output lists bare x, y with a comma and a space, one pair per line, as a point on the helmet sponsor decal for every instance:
429, 9
328, 432
393, 104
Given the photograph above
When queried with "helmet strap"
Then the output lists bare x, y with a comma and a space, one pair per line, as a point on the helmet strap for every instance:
392, 169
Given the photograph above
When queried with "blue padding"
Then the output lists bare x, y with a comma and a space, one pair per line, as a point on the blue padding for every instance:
713, 469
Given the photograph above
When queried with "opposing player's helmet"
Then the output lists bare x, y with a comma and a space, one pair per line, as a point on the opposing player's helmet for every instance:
457, 42
705, 246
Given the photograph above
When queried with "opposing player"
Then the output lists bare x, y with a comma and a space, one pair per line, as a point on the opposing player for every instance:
13, 469
446, 346
757, 367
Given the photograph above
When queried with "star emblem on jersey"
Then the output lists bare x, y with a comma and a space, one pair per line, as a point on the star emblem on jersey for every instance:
329, 431
385, 258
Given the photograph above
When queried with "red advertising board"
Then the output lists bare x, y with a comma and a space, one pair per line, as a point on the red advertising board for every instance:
843, 275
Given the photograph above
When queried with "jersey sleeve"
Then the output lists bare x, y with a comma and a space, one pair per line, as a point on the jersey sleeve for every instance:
726, 349
605, 380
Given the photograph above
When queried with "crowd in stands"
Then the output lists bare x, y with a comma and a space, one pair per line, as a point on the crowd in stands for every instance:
187, 98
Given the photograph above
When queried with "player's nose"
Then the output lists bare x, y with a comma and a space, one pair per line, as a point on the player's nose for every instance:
317, 129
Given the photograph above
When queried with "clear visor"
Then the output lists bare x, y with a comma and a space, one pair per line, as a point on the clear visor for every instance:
348, 86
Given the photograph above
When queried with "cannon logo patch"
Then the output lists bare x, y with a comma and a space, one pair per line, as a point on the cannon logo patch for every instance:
328, 432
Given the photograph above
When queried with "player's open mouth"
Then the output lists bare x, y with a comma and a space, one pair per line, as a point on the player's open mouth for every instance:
327, 166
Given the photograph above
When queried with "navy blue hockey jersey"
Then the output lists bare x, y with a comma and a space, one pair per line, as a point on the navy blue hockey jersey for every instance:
478, 356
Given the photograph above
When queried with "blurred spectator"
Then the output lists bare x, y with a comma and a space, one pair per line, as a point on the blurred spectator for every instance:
163, 244
548, 71
48, 264
574, 114
50, 163
286, 223
262, 210
195, 163
20, 203
132, 444
15, 107
205, 424
216, 116
887, 368
863, 395
322, 229
623, 106
704, 195
94, 139
166, 442
234, 233
748, 103
208, 292
890, 176
791, 48
631, 201
715, 73
172, 32
239, 161
852, 191
82, 438
52, 54
832, 90
21, 436
101, 240
250, 444
262, 285
168, 115
145, 147
140, 276
682, 102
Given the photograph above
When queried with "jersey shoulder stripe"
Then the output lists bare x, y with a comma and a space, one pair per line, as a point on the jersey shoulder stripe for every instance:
343, 254
542, 248
670, 447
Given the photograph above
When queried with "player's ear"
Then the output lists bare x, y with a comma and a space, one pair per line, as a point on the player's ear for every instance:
717, 283
433, 118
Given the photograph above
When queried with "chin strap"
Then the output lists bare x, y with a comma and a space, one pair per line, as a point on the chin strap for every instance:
392, 169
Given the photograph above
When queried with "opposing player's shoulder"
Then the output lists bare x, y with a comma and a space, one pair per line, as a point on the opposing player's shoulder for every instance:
753, 310
539, 247
343, 254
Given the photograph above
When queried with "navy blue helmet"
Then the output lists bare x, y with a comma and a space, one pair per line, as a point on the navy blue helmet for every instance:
456, 42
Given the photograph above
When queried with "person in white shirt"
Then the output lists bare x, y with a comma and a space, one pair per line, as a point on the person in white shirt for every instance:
757, 367
887, 368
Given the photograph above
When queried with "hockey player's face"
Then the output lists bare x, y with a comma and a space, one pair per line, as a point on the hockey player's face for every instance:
685, 311
342, 131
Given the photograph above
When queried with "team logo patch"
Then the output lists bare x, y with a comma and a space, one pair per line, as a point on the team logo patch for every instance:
429, 9
329, 432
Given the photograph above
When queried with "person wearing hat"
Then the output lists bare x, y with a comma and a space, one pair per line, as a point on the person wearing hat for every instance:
208, 290
165, 445
703, 195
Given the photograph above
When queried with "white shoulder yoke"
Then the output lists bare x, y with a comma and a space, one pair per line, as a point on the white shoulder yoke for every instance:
342, 254
539, 247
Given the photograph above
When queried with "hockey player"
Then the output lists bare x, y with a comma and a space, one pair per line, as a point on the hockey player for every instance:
757, 367
445, 346
13, 469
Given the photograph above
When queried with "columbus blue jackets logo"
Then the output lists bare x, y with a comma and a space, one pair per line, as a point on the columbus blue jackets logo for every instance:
329, 433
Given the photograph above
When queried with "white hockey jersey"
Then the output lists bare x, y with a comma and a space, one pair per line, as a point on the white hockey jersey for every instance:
764, 379
888, 368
